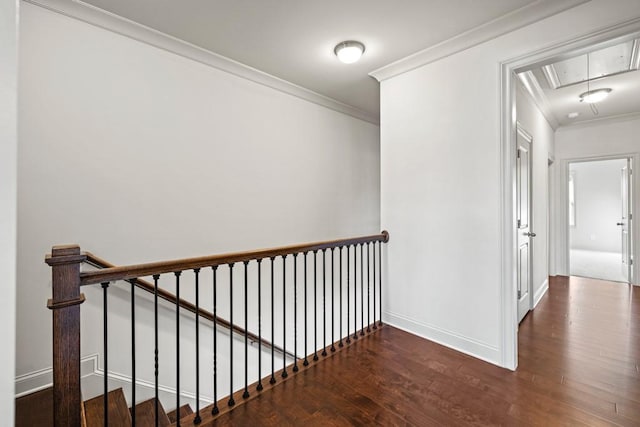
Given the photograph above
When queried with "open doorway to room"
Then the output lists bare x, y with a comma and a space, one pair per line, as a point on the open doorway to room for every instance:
598, 220
580, 103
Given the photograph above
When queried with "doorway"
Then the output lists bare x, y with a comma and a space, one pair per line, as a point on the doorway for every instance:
533, 64
600, 219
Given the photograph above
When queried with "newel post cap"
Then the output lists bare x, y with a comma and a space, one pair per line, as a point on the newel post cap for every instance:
65, 254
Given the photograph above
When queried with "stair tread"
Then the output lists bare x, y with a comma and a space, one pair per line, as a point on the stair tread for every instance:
35, 409
146, 414
184, 411
118, 410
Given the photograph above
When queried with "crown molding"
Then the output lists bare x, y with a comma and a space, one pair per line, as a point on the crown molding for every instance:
529, 86
512, 21
101, 18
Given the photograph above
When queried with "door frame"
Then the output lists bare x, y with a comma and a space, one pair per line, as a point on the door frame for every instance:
564, 206
508, 243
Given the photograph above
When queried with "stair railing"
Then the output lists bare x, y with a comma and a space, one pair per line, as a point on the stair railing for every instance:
67, 278
148, 287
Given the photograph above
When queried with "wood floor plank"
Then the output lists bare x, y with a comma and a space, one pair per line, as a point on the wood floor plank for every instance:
579, 355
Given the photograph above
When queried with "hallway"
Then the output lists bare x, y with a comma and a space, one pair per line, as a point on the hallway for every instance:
578, 364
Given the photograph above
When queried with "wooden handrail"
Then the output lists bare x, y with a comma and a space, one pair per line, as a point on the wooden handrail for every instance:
142, 270
168, 296
65, 304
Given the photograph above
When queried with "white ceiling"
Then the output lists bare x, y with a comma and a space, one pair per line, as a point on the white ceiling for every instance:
609, 68
294, 39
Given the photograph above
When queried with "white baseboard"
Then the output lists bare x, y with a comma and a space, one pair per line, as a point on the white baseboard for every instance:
43, 378
92, 383
537, 296
125, 383
449, 339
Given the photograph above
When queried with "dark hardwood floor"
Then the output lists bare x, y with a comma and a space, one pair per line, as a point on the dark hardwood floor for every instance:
579, 356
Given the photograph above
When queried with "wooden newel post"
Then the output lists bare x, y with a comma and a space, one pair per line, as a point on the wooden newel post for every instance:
65, 265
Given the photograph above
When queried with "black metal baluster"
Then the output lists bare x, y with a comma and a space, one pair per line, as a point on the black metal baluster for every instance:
295, 313
333, 303
215, 410
306, 341
284, 318
362, 289
315, 305
156, 277
341, 344
231, 401
133, 351
105, 395
259, 387
245, 395
324, 302
177, 274
368, 287
197, 418
273, 340
355, 292
375, 324
348, 291
380, 278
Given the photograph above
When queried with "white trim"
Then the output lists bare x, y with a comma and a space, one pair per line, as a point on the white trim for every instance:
508, 243
522, 131
92, 15
126, 379
537, 296
509, 323
507, 23
43, 378
531, 88
466, 345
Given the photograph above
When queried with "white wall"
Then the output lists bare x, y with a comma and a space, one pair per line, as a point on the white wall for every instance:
542, 149
8, 179
599, 139
618, 136
138, 154
598, 201
441, 185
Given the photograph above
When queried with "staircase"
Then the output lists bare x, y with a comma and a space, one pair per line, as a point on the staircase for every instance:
36, 409
305, 302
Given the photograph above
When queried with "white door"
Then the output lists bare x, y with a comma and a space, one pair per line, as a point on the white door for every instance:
625, 222
523, 218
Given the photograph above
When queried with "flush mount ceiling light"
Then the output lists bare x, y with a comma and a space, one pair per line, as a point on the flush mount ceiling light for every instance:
573, 115
349, 51
596, 95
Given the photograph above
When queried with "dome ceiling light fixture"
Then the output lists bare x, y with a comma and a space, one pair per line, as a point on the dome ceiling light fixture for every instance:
349, 51
595, 95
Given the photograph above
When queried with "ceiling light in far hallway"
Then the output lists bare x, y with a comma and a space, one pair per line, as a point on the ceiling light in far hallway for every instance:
349, 51
596, 95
